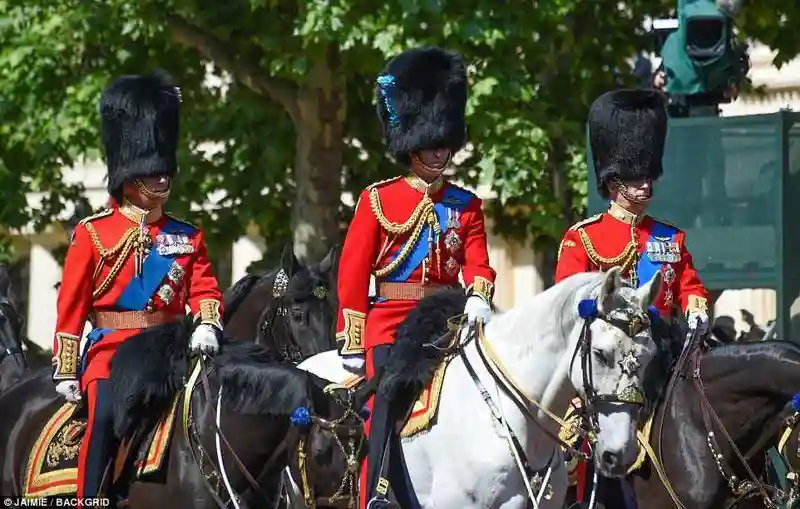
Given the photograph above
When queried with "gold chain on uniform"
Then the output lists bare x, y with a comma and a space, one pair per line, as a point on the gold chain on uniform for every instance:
423, 214
121, 251
626, 260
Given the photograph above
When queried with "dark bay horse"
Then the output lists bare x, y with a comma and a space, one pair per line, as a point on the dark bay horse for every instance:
12, 358
256, 395
750, 387
290, 310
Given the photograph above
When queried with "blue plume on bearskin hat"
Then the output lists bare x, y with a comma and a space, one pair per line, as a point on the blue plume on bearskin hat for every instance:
422, 98
140, 127
627, 133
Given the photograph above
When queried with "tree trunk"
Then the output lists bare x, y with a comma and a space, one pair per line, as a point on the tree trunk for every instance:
322, 108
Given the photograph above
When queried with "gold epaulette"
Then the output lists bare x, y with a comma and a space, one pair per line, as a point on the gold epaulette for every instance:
462, 189
383, 182
589, 220
180, 220
667, 223
93, 217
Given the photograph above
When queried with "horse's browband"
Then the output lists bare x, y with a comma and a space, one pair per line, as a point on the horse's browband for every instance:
133, 319
407, 291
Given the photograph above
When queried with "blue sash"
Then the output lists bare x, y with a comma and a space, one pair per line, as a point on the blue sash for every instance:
453, 198
94, 337
647, 268
156, 266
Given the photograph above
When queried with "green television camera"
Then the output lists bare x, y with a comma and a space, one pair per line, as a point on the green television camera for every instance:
701, 56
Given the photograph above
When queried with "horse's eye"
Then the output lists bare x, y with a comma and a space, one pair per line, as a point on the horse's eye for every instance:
602, 358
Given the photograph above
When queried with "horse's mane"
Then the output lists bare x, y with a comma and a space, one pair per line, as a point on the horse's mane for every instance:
235, 295
553, 311
149, 369
255, 384
735, 357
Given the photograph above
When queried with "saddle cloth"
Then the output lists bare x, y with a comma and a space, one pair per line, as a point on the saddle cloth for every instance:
53, 463
423, 414
569, 435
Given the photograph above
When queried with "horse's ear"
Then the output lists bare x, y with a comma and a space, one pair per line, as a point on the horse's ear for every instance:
329, 262
648, 293
5, 280
612, 282
289, 262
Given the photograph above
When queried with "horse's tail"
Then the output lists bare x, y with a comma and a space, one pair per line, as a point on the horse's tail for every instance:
235, 295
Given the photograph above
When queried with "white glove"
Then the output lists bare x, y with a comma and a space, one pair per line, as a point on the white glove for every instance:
70, 389
204, 339
354, 364
477, 309
698, 320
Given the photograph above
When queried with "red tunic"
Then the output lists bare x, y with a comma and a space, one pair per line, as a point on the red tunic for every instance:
617, 238
89, 289
370, 247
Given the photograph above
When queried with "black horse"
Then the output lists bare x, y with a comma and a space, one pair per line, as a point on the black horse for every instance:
290, 310
258, 396
750, 388
12, 358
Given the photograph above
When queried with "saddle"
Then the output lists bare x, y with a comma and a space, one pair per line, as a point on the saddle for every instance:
52, 467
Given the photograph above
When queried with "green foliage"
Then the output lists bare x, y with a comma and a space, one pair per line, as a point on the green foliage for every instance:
535, 68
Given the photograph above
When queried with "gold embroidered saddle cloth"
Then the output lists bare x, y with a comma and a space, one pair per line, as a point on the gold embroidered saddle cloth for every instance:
53, 462
423, 414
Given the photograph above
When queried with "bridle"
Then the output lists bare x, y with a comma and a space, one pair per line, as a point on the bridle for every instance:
279, 312
628, 389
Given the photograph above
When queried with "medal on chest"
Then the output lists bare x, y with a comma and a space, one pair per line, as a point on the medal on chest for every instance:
453, 221
663, 250
168, 244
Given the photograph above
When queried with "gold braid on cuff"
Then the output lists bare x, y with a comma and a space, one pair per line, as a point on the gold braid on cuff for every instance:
698, 304
483, 288
352, 337
209, 313
66, 360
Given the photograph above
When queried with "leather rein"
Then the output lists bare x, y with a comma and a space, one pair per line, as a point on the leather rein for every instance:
690, 359
199, 374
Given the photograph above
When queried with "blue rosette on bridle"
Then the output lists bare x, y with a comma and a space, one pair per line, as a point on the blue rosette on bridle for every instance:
300, 417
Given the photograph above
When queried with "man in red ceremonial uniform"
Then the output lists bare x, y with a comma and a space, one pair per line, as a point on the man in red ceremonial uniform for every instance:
627, 133
413, 234
131, 266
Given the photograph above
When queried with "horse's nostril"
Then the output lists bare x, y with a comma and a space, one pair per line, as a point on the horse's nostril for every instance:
610, 459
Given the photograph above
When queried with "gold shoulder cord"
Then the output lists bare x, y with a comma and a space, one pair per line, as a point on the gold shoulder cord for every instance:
626, 260
121, 251
423, 214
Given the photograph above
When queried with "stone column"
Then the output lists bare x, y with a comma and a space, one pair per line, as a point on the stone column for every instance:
44, 274
245, 251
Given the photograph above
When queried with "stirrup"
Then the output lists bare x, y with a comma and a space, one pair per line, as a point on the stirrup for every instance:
379, 501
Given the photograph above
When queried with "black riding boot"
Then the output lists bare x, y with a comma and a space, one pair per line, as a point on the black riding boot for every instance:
382, 429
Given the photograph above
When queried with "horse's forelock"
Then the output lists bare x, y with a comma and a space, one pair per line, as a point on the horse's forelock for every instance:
302, 283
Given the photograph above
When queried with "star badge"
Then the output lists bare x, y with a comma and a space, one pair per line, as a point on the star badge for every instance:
629, 364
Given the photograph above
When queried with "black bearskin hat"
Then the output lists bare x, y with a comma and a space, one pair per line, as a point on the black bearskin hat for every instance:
422, 97
140, 125
627, 132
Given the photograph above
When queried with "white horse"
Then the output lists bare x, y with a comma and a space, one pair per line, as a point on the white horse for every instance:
464, 462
